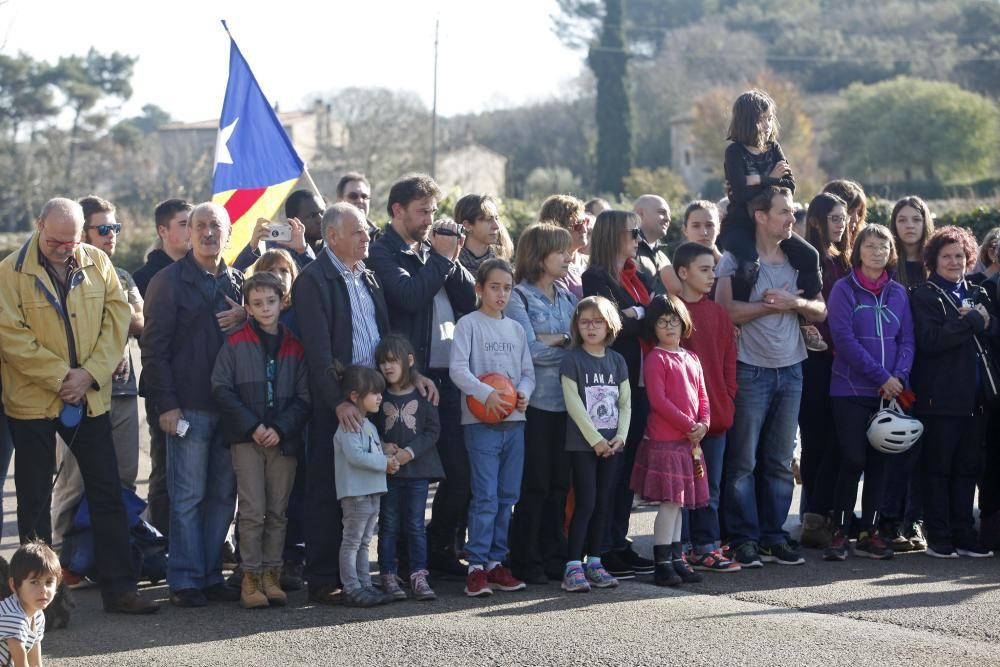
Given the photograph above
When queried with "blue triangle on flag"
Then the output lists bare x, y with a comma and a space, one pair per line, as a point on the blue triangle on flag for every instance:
253, 149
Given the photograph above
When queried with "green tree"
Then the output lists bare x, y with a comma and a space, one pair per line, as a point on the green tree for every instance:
609, 61
85, 81
980, 34
893, 128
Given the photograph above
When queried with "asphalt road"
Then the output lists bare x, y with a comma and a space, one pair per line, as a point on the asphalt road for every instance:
912, 610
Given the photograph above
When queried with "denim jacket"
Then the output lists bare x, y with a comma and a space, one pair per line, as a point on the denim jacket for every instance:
530, 308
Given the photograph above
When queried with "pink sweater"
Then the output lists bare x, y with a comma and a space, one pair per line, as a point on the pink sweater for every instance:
677, 396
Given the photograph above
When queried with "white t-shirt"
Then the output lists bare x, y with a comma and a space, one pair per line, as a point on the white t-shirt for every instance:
14, 624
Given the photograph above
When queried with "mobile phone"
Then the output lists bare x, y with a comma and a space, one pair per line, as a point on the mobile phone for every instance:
182, 427
968, 303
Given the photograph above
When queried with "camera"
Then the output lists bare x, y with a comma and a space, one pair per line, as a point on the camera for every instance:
277, 231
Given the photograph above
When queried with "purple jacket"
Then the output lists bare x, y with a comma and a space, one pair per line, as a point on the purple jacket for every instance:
873, 337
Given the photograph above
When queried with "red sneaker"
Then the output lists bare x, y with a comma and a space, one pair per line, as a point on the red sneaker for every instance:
500, 577
476, 584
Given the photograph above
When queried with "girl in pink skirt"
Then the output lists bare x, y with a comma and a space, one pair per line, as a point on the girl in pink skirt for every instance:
668, 466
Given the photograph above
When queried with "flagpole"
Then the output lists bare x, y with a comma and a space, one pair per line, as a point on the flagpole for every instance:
434, 104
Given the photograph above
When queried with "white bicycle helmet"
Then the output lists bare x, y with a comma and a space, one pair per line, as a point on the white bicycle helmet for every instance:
891, 431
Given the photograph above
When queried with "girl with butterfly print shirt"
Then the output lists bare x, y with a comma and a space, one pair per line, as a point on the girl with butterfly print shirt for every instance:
409, 427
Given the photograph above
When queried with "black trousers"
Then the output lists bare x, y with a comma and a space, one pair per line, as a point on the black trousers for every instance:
951, 461
449, 512
818, 431
35, 448
856, 456
324, 526
594, 480
537, 535
989, 481
616, 534
158, 495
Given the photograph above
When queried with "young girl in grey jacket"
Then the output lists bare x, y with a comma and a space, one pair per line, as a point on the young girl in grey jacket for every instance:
360, 469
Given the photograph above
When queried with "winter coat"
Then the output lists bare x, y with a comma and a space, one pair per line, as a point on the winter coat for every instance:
873, 336
240, 388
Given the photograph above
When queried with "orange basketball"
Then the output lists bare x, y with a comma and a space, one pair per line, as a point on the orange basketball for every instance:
507, 392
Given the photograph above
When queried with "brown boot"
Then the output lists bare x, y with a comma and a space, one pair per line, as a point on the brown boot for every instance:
272, 587
252, 592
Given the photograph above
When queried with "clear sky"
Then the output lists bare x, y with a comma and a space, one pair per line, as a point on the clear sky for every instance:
492, 54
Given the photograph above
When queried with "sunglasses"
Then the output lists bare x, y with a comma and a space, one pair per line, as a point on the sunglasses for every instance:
358, 195
634, 233
104, 230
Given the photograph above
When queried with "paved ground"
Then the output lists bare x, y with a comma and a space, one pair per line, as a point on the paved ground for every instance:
912, 610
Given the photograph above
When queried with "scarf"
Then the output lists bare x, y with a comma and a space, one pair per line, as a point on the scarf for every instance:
874, 286
633, 284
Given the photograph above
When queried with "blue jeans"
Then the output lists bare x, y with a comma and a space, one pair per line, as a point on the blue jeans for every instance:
704, 522
202, 488
758, 470
403, 508
496, 460
360, 514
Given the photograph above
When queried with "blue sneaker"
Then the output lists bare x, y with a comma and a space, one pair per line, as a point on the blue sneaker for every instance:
574, 580
599, 577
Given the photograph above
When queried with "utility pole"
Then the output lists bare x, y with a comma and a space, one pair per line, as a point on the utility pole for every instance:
434, 103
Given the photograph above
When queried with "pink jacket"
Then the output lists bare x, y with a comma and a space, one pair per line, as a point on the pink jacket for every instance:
678, 399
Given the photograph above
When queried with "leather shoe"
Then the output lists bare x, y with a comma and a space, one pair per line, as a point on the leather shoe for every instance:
188, 597
220, 592
130, 603
325, 594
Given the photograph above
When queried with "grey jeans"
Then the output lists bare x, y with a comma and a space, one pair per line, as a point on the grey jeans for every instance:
264, 478
68, 491
360, 517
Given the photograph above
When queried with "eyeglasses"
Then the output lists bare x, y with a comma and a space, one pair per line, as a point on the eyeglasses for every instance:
881, 249
836, 219
69, 245
592, 324
667, 322
104, 230
358, 195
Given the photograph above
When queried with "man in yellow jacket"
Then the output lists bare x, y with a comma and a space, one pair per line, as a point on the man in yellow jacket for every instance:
63, 322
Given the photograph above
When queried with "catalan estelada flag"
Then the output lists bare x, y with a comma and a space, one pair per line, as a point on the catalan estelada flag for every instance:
256, 166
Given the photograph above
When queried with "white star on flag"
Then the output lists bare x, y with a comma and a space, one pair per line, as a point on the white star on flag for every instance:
222, 155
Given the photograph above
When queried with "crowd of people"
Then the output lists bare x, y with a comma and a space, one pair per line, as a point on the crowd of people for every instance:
311, 393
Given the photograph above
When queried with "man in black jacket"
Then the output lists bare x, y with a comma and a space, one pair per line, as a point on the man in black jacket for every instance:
428, 290
345, 321
173, 242
189, 307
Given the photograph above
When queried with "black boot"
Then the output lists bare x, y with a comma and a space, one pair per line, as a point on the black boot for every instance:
664, 573
681, 567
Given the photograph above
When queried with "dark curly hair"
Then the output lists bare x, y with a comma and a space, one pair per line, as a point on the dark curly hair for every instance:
946, 236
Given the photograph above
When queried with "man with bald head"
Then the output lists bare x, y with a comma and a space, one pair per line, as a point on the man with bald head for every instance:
189, 308
346, 319
63, 324
651, 258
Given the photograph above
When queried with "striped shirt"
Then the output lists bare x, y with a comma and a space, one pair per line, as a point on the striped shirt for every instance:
14, 624
364, 329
